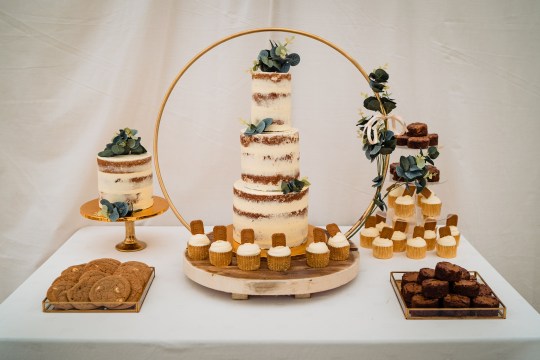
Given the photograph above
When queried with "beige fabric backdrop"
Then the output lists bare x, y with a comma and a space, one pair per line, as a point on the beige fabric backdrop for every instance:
71, 73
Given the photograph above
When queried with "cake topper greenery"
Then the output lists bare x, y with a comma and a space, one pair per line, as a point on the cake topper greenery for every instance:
253, 129
277, 58
125, 142
114, 211
379, 141
294, 185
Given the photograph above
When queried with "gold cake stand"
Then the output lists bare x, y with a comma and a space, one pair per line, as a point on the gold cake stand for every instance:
90, 210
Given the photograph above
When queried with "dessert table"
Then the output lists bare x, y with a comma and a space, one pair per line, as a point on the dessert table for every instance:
183, 320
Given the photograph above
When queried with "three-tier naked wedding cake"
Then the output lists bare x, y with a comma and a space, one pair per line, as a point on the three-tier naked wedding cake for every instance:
267, 160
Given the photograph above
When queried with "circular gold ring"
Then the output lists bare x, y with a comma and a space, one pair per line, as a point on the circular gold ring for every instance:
385, 158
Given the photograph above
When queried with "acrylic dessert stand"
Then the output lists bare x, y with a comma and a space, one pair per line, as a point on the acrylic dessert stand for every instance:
90, 210
300, 281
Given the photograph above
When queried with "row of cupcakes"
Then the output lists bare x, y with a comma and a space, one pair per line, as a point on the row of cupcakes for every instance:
248, 254
401, 199
385, 240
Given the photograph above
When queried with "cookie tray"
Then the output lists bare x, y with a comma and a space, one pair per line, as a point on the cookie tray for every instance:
130, 307
446, 313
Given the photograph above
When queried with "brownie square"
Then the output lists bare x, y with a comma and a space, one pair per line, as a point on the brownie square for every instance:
409, 277
484, 290
435, 173
433, 139
455, 301
409, 290
401, 140
421, 142
393, 167
485, 302
425, 273
417, 129
465, 275
447, 271
419, 301
468, 288
435, 289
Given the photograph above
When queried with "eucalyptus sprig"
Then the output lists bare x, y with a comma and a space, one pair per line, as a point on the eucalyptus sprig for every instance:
294, 185
277, 58
413, 169
253, 129
125, 142
114, 211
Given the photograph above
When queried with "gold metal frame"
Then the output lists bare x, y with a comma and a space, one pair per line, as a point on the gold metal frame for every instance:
385, 158
443, 313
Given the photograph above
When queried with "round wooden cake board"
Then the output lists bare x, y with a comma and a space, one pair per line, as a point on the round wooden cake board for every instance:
300, 280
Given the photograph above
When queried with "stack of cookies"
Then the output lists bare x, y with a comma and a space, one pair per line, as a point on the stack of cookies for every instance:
101, 283
449, 290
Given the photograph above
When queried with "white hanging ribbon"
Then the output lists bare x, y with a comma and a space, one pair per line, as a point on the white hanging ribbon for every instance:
371, 129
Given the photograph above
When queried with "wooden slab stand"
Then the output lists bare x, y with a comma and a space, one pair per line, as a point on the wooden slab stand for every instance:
300, 280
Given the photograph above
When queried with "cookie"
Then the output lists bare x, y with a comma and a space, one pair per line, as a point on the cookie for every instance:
105, 265
141, 267
136, 287
57, 292
110, 291
74, 272
79, 294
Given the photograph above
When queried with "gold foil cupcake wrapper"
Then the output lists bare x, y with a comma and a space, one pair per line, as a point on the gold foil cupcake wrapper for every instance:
198, 252
416, 252
248, 263
447, 252
278, 263
431, 243
383, 252
431, 210
220, 259
404, 211
317, 260
399, 245
366, 241
339, 253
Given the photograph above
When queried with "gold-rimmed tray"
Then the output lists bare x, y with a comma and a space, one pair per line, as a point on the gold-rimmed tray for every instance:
446, 313
130, 306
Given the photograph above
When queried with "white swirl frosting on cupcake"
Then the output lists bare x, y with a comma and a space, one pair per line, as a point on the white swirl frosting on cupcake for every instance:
371, 232
382, 242
447, 241
199, 240
398, 236
430, 234
432, 200
248, 249
279, 251
417, 242
220, 246
454, 230
318, 248
338, 241
405, 200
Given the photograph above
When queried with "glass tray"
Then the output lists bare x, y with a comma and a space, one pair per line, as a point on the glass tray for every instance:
446, 313
131, 307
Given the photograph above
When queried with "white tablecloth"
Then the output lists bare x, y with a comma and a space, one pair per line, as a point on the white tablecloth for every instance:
182, 320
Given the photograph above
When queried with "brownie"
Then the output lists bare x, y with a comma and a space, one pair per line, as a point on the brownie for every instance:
455, 301
395, 177
425, 273
393, 167
447, 271
435, 173
409, 277
433, 139
465, 275
485, 302
401, 140
435, 289
420, 142
419, 301
484, 290
417, 129
409, 290
468, 288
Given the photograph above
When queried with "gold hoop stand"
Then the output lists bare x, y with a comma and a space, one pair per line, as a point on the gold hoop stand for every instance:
385, 158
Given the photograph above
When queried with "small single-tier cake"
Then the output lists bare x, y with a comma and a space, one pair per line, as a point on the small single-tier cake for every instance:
271, 98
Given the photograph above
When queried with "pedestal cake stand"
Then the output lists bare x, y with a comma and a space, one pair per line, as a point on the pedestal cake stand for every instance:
90, 210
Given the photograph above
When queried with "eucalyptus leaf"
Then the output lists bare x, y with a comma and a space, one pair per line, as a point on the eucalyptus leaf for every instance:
375, 86
117, 150
260, 127
285, 68
131, 143
113, 216
106, 153
371, 103
388, 104
404, 162
293, 59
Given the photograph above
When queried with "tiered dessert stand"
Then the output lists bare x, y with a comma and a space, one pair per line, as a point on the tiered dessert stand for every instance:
300, 280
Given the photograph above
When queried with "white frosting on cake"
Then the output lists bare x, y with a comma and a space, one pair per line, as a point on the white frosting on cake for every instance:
279, 251
126, 178
371, 232
405, 200
417, 242
318, 248
221, 246
447, 241
454, 230
271, 98
248, 249
339, 240
382, 242
265, 164
199, 240
398, 236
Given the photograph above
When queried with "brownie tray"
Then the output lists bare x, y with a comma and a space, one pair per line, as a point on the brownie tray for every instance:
446, 313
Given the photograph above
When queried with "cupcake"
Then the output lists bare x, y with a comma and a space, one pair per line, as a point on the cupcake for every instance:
399, 241
367, 235
381, 225
198, 243
416, 248
447, 247
431, 206
220, 251
317, 255
382, 248
404, 207
454, 231
393, 195
339, 247
431, 239
279, 255
248, 254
